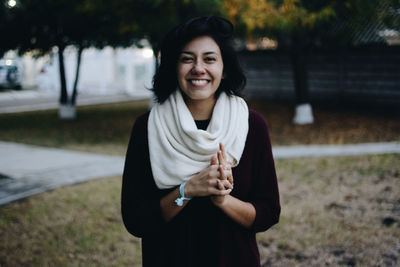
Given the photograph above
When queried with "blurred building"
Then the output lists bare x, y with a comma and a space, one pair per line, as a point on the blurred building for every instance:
106, 71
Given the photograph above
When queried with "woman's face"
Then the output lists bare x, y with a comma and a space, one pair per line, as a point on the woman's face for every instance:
200, 68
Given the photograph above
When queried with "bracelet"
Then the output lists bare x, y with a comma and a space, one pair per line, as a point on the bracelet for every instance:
179, 201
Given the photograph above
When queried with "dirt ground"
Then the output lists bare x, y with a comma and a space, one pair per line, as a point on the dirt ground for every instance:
341, 211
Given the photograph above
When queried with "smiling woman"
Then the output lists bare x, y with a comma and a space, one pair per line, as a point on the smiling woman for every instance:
199, 178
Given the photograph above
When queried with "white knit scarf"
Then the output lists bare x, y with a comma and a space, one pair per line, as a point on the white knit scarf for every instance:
178, 150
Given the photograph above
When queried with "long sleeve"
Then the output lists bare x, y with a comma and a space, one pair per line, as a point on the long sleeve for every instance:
264, 190
140, 198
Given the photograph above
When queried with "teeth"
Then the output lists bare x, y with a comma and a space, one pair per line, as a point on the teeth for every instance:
199, 82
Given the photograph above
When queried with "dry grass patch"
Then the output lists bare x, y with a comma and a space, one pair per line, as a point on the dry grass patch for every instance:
332, 125
100, 129
76, 225
336, 211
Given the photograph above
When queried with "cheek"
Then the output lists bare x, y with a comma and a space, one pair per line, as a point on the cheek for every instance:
219, 72
182, 71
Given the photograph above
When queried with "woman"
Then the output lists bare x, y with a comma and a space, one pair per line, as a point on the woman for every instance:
199, 179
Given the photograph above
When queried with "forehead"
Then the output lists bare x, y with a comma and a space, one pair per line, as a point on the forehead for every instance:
200, 45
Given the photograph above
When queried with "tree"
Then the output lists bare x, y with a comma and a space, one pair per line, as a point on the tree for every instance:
300, 25
38, 26
291, 22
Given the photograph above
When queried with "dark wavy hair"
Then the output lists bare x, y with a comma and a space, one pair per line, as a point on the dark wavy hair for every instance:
165, 80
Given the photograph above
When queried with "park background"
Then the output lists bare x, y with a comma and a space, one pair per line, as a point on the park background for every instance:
320, 72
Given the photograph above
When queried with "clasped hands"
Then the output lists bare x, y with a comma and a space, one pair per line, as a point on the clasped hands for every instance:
215, 181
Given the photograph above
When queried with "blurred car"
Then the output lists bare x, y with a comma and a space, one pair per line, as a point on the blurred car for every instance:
10, 74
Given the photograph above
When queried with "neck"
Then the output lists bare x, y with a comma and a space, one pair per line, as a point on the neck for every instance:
201, 109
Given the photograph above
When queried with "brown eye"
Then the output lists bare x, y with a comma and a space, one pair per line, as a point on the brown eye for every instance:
210, 59
186, 59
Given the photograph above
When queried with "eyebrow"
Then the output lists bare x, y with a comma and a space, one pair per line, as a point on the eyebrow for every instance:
205, 53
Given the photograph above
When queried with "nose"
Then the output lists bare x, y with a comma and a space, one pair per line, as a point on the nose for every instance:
198, 68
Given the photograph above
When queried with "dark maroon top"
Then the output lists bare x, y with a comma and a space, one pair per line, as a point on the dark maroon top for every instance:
201, 234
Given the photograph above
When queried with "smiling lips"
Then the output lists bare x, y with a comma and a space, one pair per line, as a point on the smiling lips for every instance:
199, 82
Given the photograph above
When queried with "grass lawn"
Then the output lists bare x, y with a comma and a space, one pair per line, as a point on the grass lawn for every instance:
335, 211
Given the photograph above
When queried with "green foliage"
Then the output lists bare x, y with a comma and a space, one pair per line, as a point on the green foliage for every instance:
326, 22
389, 14
40, 25
279, 17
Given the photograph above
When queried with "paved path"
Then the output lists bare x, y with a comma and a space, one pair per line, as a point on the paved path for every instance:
335, 150
26, 170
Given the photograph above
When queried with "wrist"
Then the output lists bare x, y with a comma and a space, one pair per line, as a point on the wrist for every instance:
179, 200
222, 202
186, 189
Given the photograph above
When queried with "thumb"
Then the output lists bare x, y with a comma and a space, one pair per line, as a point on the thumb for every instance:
213, 160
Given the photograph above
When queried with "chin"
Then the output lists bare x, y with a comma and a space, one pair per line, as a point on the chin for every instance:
200, 95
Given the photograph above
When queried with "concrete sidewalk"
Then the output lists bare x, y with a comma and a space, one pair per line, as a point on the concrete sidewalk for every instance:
335, 150
26, 170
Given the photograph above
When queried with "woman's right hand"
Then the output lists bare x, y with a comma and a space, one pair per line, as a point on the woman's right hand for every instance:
207, 182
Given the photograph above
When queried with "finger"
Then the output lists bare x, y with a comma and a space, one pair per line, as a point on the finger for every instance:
227, 168
220, 192
229, 176
230, 179
214, 167
212, 173
227, 184
213, 160
220, 186
227, 172
215, 174
222, 173
221, 147
221, 159
224, 192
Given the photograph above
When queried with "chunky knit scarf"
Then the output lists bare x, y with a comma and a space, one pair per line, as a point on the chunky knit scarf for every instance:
178, 150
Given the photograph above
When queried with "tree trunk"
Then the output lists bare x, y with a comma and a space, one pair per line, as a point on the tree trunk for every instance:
303, 110
78, 65
299, 68
66, 110
63, 83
